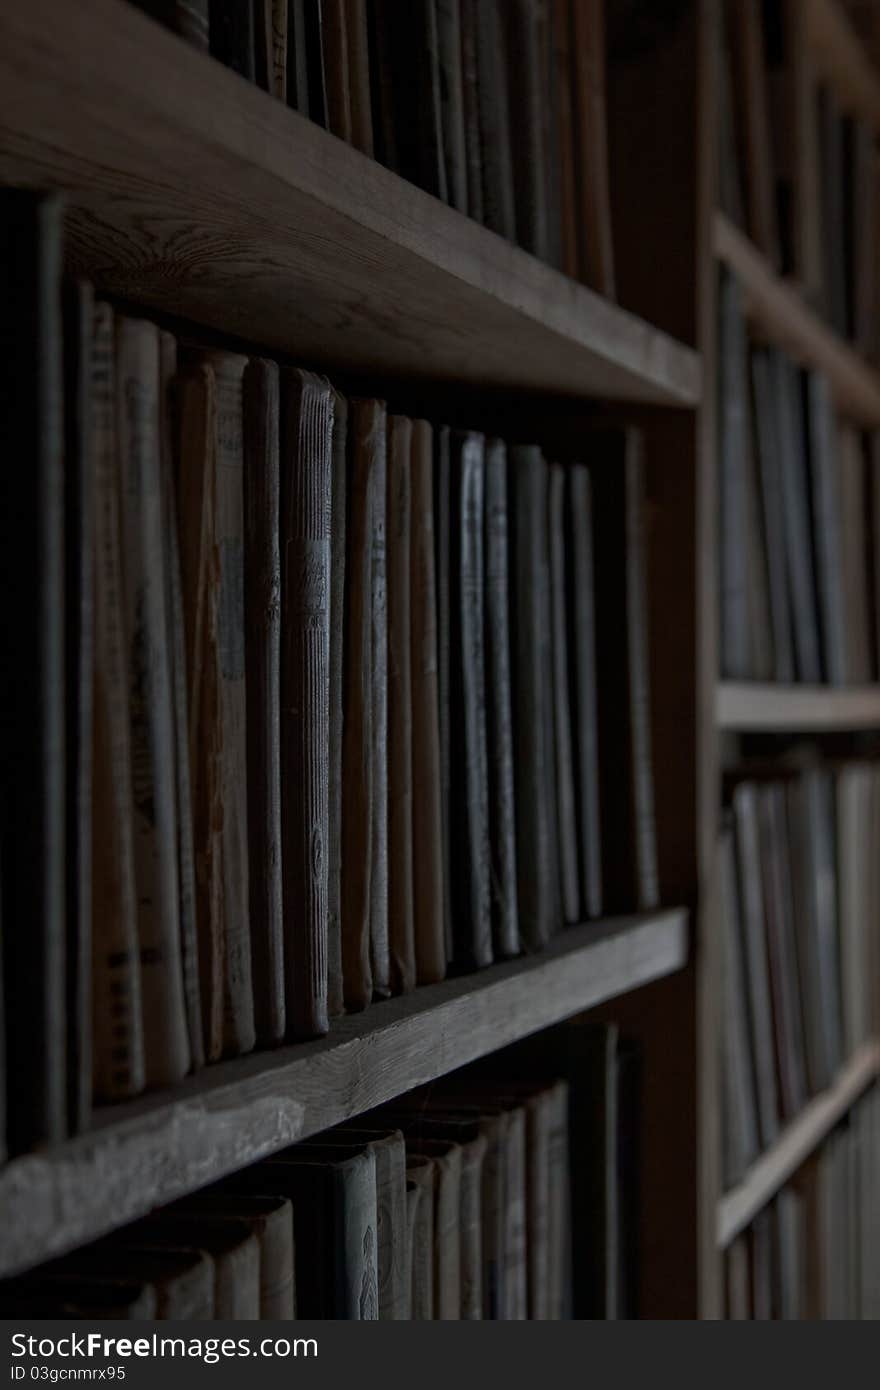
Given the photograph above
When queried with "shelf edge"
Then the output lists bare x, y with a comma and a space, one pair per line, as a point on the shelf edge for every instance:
745, 706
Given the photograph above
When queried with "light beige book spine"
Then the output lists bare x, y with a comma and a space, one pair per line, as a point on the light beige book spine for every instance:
472, 1157
118, 1055
420, 1214
166, 1041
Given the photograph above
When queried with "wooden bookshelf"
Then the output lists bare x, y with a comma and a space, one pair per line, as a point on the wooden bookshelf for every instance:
746, 706
151, 1151
196, 194
772, 1170
839, 58
780, 315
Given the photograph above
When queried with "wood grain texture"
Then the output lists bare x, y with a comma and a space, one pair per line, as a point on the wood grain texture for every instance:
193, 192
153, 1151
782, 317
744, 706
738, 1208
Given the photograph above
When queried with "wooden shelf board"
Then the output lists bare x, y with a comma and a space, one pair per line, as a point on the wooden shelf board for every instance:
738, 1208
192, 192
151, 1151
780, 314
743, 706
839, 58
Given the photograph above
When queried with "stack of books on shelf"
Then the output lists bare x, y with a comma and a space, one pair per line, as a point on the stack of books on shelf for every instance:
452, 1204
799, 519
799, 171
800, 916
308, 709
495, 106
812, 1253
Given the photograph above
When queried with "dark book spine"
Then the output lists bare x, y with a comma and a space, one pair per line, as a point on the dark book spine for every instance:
318, 107
796, 511
449, 47
562, 730
536, 850
357, 726
335, 992
189, 18
733, 444
79, 582
591, 144
401, 918
470, 97
825, 480
334, 39
502, 813
582, 610
527, 93
277, 20
469, 809
496, 155
307, 425
33, 743
232, 39
770, 473
745, 813
357, 36
563, 83
443, 554
379, 949
297, 57
262, 595
382, 85
648, 888
430, 942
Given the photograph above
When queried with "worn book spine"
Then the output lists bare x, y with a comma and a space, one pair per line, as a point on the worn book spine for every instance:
515, 1305
527, 94
357, 35
270, 1219
230, 767
493, 97
536, 871
334, 38
357, 727
380, 961
420, 1172
796, 512
853, 504
447, 1225
740, 1111
232, 35
148, 664
562, 728
443, 556
186, 871
770, 475
563, 78
263, 56
401, 907
648, 887
745, 812
297, 57
262, 601
118, 1040
559, 1210
826, 497
733, 446
307, 426
427, 839
582, 611
389, 1151
591, 144
473, 1156
79, 579
357, 1274
784, 993
539, 1122
32, 847
502, 806
381, 86
469, 810
338, 495
229, 1243
278, 21
470, 97
452, 111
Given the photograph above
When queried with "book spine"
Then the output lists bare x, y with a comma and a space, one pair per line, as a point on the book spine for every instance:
278, 34
493, 102
116, 980
192, 22
307, 405
595, 233
471, 109
430, 944
563, 75
357, 728
334, 37
420, 1219
527, 98
338, 486
443, 553
640, 694
583, 632
79, 505
770, 471
390, 1157
473, 1156
401, 910
297, 57
539, 1120
449, 48
567, 829
357, 1286
559, 1212
262, 598
380, 962
515, 1306
502, 817
359, 75
263, 56
166, 1044
826, 502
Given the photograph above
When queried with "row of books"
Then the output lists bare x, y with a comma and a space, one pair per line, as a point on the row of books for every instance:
799, 172
799, 519
800, 895
496, 107
453, 1204
814, 1252
287, 665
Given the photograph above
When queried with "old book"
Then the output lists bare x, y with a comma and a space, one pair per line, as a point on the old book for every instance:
452, 102
753, 121
769, 459
334, 39
118, 1039
582, 640
229, 1243
408, 67
795, 497
854, 554
338, 498
401, 907
550, 131
182, 1280
262, 606
359, 752
826, 484
596, 246
186, 869
537, 873
832, 155
189, 18
148, 665
79, 584
470, 95
562, 722
786, 1004
739, 1120
747, 840
499, 706
427, 835
591, 1065
212, 529
806, 935
563, 79
446, 1158
527, 94
733, 464
473, 1155
559, 1211
306, 433
371, 440
357, 36
232, 35
493, 105
626, 781
271, 1221
854, 850
389, 1152
443, 558
420, 1182
469, 811
515, 1304
297, 57
276, 12
820, 866
263, 55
